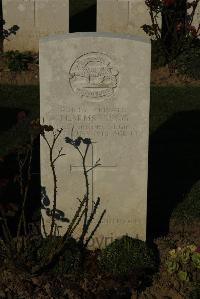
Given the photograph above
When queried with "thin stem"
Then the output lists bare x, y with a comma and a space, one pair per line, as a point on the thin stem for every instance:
96, 165
54, 191
24, 190
93, 212
52, 165
94, 230
87, 193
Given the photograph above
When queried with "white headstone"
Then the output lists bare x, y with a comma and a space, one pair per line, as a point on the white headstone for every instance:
196, 19
122, 16
98, 86
36, 18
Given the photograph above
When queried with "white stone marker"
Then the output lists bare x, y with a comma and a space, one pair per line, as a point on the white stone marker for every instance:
99, 86
196, 19
122, 16
36, 18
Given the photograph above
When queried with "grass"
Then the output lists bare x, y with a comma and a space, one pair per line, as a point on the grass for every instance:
13, 100
174, 144
166, 101
189, 209
22, 97
174, 147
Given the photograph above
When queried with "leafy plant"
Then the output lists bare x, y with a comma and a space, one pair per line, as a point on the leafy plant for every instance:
17, 61
67, 261
184, 263
176, 30
126, 255
82, 211
41, 255
87, 215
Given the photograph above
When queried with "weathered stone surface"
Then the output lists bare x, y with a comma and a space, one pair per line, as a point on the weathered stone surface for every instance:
36, 18
98, 86
196, 19
122, 16
112, 16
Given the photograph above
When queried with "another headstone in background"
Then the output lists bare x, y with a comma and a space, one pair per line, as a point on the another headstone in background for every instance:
36, 18
196, 19
122, 16
98, 86
112, 16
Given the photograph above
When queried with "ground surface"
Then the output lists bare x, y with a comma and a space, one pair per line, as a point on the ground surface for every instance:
160, 76
174, 164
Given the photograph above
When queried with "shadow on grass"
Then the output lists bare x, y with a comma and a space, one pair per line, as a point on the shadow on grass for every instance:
8, 117
11, 193
174, 167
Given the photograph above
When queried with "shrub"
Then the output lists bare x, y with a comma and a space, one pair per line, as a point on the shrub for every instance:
68, 260
126, 255
176, 29
17, 61
184, 263
158, 58
188, 62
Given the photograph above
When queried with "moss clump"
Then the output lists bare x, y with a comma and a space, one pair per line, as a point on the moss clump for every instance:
126, 255
67, 261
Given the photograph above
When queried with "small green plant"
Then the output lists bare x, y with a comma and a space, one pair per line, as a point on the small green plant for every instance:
184, 263
17, 61
126, 255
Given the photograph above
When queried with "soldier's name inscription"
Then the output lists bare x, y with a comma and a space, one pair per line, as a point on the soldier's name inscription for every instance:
99, 121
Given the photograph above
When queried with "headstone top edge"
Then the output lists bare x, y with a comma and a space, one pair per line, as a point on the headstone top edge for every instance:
126, 36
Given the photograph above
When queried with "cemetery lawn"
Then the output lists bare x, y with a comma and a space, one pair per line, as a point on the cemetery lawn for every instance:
168, 100
16, 99
173, 197
165, 101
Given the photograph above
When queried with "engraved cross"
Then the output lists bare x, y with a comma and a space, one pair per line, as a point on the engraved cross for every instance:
93, 169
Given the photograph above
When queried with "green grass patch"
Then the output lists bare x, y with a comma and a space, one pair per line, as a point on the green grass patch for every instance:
16, 98
23, 97
189, 209
166, 101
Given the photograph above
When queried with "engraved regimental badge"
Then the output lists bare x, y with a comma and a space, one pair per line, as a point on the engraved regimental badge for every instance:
93, 76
